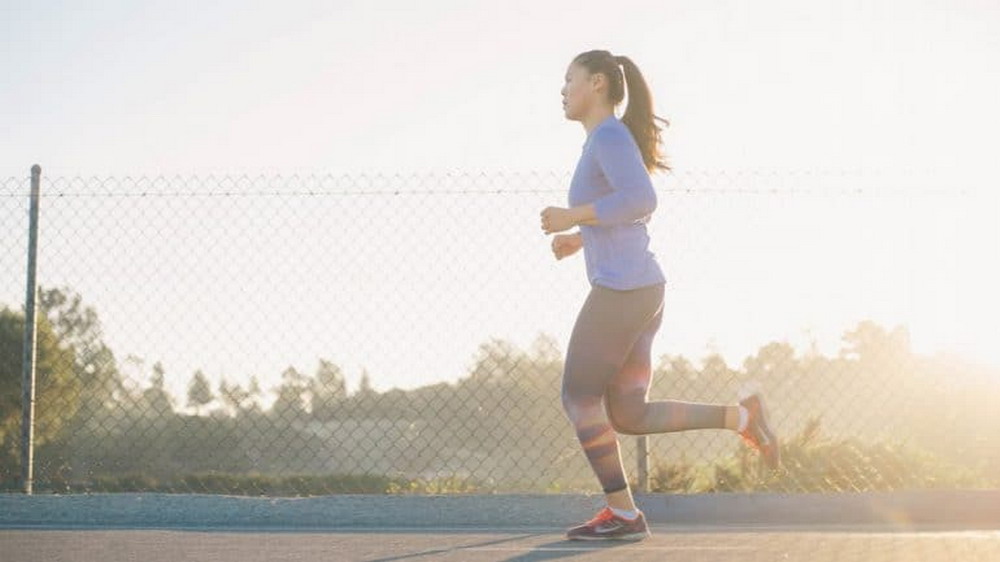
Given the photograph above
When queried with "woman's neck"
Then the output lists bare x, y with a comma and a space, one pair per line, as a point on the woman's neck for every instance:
599, 114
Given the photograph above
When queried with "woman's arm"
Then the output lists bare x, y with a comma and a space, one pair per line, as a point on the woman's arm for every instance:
584, 214
558, 219
632, 195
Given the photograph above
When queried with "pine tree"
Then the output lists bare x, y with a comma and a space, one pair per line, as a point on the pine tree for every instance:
199, 392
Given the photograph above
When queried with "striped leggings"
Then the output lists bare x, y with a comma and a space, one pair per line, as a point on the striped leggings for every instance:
606, 379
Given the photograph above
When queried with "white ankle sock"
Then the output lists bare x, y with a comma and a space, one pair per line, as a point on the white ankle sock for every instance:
625, 513
744, 418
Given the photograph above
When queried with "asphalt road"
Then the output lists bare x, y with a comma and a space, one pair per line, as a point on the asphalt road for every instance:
871, 527
696, 544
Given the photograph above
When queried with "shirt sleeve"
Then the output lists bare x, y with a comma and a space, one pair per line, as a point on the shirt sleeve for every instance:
632, 196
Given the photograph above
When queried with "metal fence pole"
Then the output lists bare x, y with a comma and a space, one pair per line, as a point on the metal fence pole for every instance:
642, 443
30, 343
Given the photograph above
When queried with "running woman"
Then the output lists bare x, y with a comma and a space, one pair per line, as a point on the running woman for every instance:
608, 361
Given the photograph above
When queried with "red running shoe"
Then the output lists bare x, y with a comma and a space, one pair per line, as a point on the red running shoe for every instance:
758, 433
608, 526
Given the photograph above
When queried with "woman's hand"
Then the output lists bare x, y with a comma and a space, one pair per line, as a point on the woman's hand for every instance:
557, 219
566, 244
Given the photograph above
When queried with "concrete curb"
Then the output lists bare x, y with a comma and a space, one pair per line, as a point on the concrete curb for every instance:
962, 508
977, 509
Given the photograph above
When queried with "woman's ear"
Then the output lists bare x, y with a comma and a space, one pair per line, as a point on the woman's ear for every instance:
598, 82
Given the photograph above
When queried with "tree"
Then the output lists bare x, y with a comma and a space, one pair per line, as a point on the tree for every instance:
774, 358
254, 395
57, 389
679, 367
545, 349
199, 392
156, 400
871, 343
497, 360
365, 399
78, 327
714, 368
545, 365
365, 385
291, 401
329, 390
235, 397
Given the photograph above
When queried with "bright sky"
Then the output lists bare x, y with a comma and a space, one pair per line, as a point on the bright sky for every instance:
127, 88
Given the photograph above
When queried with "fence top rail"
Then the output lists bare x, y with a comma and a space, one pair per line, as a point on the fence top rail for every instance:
747, 181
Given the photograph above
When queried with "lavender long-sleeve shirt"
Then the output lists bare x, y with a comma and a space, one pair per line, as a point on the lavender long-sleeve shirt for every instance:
611, 175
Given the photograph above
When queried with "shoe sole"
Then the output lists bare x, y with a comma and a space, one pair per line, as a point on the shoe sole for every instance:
766, 423
631, 537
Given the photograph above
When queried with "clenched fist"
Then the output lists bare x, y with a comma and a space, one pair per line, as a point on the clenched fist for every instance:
557, 219
566, 244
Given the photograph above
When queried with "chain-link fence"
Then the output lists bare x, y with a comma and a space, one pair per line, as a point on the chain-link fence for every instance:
391, 333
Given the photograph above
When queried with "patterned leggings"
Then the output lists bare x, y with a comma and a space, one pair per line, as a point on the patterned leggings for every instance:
607, 375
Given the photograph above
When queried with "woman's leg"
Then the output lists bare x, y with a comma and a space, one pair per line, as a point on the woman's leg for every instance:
606, 329
629, 411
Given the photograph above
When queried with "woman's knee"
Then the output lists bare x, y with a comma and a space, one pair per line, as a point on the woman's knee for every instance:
572, 405
567, 402
623, 427
580, 407
625, 419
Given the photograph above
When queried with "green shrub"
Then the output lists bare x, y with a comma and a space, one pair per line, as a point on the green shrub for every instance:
812, 462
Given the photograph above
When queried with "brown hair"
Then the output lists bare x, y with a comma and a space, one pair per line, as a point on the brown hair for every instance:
639, 116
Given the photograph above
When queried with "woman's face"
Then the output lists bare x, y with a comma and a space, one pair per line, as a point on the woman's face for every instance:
577, 92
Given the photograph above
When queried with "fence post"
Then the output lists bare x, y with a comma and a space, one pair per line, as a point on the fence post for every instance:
30, 344
642, 448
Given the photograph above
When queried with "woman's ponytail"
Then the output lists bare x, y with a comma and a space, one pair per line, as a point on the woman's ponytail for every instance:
639, 116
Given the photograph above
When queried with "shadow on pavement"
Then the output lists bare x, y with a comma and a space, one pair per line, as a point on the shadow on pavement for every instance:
433, 551
566, 548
